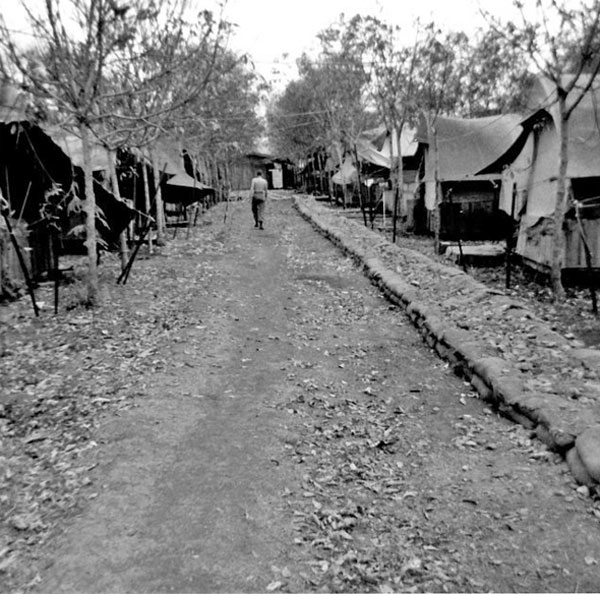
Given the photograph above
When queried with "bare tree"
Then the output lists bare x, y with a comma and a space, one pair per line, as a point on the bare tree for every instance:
562, 39
112, 72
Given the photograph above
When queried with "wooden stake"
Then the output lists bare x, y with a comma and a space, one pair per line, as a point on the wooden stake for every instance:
588, 260
360, 200
22, 263
125, 272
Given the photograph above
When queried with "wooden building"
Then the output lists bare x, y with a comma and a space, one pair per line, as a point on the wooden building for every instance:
279, 173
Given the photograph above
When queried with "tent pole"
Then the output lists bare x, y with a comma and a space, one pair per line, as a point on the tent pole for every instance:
360, 199
56, 269
458, 240
147, 201
125, 272
588, 260
511, 236
13, 239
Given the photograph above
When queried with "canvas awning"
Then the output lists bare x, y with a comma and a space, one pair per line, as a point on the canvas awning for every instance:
367, 152
71, 145
466, 146
408, 143
184, 189
167, 155
187, 181
12, 103
346, 175
584, 132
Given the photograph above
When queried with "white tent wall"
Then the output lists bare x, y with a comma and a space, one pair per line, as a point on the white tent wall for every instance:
518, 173
532, 174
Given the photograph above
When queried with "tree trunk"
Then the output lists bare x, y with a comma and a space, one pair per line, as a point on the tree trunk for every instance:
329, 185
147, 204
397, 178
360, 194
437, 223
558, 238
321, 173
158, 204
114, 182
91, 241
344, 186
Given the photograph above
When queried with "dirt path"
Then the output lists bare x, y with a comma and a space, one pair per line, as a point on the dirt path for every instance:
301, 437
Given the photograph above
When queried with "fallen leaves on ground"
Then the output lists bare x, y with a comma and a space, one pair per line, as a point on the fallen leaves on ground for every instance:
61, 373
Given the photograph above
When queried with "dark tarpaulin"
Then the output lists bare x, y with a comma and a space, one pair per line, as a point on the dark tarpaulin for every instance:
31, 162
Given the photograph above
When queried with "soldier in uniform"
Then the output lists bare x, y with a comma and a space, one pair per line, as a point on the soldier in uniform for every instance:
258, 195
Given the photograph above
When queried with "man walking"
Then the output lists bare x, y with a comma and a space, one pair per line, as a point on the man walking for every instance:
258, 194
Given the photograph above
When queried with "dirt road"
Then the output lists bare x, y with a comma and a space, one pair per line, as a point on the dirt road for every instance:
301, 437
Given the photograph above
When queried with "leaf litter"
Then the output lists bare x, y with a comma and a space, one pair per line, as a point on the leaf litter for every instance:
61, 374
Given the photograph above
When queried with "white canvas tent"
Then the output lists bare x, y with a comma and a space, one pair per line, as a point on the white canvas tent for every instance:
368, 152
529, 181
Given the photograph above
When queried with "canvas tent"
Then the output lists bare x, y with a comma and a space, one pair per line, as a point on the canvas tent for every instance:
35, 159
32, 164
178, 189
102, 159
374, 151
529, 180
410, 164
184, 189
463, 155
374, 147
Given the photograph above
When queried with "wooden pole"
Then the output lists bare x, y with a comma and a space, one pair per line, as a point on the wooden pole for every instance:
458, 240
437, 214
159, 205
588, 260
125, 272
55, 256
114, 182
395, 166
147, 203
192, 218
511, 236
360, 200
13, 239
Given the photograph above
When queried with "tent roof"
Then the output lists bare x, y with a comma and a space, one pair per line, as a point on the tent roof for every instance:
467, 146
187, 181
167, 154
12, 102
408, 143
367, 152
347, 173
71, 145
375, 135
367, 143
584, 130
33, 157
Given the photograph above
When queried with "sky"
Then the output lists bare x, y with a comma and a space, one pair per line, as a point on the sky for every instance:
270, 29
